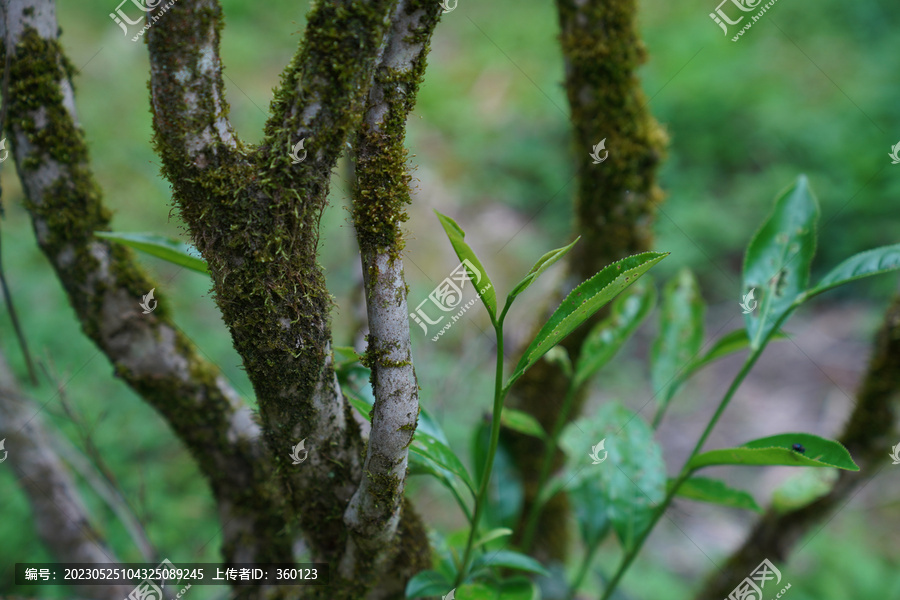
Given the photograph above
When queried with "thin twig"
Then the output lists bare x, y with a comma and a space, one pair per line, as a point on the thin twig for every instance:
20, 336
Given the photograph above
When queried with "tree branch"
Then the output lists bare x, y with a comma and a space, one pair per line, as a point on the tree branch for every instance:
255, 219
104, 286
873, 425
379, 210
62, 521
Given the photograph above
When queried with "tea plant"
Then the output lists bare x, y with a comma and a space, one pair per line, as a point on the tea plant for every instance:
631, 492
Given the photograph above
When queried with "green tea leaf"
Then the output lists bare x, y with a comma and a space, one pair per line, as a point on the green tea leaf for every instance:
803, 488
627, 313
510, 560
715, 491
558, 355
522, 422
864, 264
427, 583
365, 402
476, 591
778, 450
347, 353
504, 500
422, 465
778, 259
543, 263
364, 408
517, 588
160, 246
482, 282
554, 486
591, 513
631, 479
427, 425
492, 535
584, 301
731, 342
680, 336
432, 448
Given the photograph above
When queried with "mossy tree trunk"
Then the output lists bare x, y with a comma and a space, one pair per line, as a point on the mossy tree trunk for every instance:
615, 204
254, 216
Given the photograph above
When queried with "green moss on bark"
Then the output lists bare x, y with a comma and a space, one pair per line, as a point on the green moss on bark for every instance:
93, 270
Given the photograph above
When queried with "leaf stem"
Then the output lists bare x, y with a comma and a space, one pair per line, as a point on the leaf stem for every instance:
481, 498
546, 467
583, 569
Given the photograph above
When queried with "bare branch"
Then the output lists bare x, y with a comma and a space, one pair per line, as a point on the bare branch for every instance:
104, 285
62, 520
379, 211
873, 425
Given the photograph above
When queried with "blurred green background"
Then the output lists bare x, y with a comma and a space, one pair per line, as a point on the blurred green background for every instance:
810, 88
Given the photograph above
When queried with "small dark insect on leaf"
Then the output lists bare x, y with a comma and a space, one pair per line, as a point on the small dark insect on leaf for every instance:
799, 448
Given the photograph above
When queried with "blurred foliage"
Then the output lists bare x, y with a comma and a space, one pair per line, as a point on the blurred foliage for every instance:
809, 88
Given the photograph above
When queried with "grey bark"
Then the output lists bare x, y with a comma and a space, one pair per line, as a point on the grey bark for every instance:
62, 521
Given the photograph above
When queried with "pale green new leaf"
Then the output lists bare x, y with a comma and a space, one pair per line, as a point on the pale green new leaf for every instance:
864, 264
680, 335
511, 589
160, 246
584, 301
778, 450
805, 487
626, 314
483, 286
510, 560
731, 342
492, 535
543, 263
427, 583
440, 453
559, 356
778, 259
715, 491
522, 422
